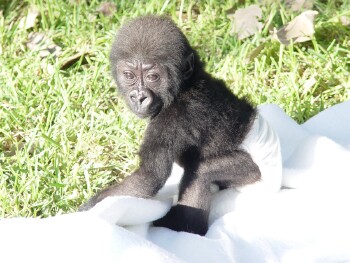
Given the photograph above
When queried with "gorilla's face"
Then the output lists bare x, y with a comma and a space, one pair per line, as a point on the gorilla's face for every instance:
150, 61
143, 84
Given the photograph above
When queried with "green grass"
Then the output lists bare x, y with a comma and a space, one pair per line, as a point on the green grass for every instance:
63, 132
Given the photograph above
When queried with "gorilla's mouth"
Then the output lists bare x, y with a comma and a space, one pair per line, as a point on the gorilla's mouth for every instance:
150, 112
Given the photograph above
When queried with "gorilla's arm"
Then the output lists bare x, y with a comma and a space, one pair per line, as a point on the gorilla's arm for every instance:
145, 182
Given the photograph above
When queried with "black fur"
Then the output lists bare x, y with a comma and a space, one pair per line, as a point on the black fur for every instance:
194, 120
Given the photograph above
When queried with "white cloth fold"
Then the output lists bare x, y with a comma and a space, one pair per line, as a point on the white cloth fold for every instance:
307, 224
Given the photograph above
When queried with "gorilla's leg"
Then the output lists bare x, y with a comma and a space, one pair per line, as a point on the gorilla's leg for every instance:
191, 212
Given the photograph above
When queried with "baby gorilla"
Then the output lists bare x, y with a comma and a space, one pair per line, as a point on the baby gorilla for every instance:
194, 120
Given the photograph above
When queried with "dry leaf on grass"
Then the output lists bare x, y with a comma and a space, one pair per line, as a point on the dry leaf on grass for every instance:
297, 5
255, 53
308, 84
40, 42
46, 68
107, 9
73, 59
246, 22
345, 21
300, 29
17, 143
29, 20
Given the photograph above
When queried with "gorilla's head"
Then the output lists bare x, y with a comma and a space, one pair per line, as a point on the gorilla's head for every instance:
150, 60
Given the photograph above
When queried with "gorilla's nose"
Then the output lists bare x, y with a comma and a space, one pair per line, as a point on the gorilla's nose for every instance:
141, 100
138, 97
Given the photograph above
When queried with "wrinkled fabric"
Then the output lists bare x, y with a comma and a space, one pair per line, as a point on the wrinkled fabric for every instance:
306, 221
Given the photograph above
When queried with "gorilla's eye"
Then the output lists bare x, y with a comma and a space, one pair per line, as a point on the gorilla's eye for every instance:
152, 77
129, 75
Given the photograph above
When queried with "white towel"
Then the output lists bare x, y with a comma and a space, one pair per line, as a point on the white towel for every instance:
306, 224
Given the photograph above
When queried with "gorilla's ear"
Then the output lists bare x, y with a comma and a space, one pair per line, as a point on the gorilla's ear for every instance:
189, 64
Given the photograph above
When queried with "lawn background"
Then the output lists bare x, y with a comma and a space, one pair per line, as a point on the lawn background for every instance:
64, 133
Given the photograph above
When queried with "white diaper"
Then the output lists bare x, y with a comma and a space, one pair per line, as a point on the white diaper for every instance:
262, 143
